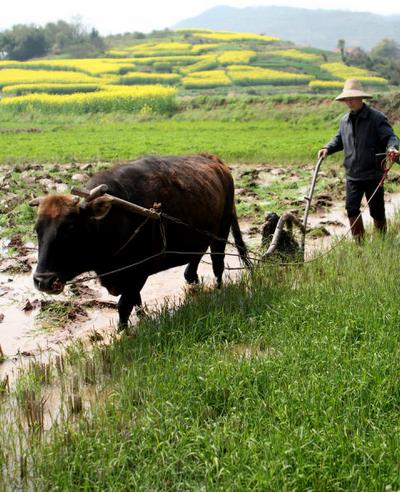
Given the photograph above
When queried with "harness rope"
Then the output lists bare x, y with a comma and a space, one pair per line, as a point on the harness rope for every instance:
255, 258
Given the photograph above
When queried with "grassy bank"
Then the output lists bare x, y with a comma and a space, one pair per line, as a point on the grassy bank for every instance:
287, 380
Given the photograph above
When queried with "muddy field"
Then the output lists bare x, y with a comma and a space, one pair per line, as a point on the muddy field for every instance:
32, 323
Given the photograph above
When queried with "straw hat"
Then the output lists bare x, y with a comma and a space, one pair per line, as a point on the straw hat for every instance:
352, 88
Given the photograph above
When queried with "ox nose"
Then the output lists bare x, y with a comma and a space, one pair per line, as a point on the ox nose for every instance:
44, 281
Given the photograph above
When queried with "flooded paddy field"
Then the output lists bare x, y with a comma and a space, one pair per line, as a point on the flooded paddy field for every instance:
33, 324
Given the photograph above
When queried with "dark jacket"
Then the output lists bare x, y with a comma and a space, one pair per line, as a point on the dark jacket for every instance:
372, 135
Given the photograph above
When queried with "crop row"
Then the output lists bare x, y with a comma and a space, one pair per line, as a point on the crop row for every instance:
22, 89
146, 98
88, 97
90, 66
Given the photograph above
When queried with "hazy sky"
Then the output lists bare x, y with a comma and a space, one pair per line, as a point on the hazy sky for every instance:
129, 15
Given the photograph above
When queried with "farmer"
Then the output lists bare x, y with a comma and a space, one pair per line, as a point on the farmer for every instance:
363, 133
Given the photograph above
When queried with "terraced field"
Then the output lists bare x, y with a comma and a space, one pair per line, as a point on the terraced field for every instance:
147, 76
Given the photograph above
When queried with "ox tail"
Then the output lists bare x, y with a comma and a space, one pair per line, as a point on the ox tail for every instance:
239, 243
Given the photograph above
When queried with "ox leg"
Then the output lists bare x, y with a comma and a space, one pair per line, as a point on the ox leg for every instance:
190, 274
128, 300
218, 251
217, 258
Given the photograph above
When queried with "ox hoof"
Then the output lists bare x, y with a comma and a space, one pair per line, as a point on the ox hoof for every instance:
122, 326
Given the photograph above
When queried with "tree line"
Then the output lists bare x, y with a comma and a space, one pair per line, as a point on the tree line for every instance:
23, 42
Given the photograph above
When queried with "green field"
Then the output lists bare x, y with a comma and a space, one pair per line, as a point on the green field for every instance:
264, 131
239, 130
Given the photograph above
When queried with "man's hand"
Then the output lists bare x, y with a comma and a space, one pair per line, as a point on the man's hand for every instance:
322, 153
392, 155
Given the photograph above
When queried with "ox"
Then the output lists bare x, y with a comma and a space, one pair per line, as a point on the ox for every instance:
76, 237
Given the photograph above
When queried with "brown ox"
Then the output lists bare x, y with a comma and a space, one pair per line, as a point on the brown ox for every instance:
78, 237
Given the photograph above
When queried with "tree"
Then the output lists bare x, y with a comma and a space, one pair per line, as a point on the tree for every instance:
23, 42
341, 45
74, 39
385, 57
386, 49
359, 58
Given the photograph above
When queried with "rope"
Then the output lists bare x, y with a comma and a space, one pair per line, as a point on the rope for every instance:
256, 258
149, 258
200, 231
135, 233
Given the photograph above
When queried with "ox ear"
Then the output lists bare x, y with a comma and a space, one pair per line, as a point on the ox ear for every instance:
99, 207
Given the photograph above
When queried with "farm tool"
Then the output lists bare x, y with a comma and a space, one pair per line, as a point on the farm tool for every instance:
290, 219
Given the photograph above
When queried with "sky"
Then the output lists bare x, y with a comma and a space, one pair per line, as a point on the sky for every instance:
118, 16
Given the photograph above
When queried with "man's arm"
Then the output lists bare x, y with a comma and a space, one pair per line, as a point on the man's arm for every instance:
386, 134
333, 146
389, 139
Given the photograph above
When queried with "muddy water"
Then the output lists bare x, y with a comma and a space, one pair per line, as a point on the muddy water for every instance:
335, 221
22, 333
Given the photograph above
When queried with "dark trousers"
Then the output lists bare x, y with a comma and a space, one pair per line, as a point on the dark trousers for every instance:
355, 190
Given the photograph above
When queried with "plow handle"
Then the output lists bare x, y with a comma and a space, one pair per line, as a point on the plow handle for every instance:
308, 203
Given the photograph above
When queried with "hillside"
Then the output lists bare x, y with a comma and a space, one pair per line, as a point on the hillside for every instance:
147, 75
319, 28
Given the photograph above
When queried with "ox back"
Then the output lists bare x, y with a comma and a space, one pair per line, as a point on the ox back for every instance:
96, 236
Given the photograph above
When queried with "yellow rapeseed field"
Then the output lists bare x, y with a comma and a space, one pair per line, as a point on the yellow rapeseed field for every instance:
342, 71
235, 36
90, 66
207, 79
154, 49
294, 54
154, 98
132, 78
246, 75
9, 76
148, 74
20, 89
204, 47
236, 57
173, 59
206, 62
325, 84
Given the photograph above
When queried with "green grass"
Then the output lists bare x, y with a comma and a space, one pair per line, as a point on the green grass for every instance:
286, 381
248, 129
258, 134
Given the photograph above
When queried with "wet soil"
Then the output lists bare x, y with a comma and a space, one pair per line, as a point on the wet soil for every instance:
32, 323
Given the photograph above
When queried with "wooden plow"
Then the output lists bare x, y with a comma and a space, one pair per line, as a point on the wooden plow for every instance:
290, 219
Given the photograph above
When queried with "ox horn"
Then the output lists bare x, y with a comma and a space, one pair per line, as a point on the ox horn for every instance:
35, 202
92, 194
